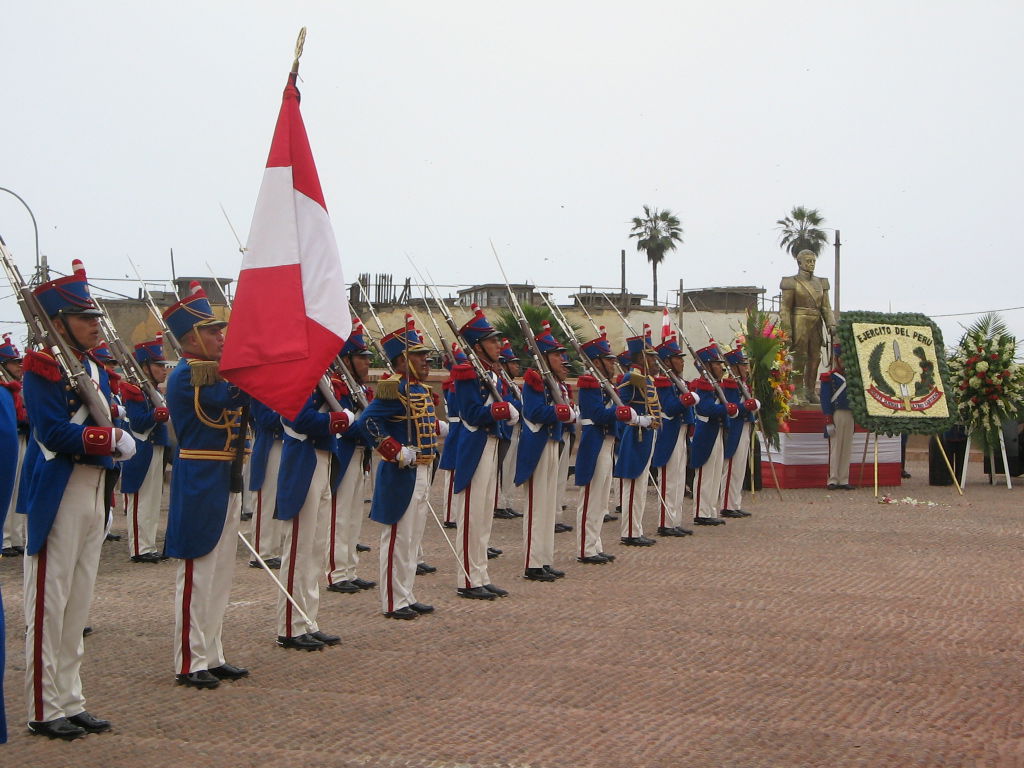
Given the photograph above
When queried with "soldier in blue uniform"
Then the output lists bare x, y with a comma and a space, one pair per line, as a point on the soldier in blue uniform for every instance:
64, 489
14, 525
839, 424
264, 467
737, 441
508, 448
637, 437
206, 484
598, 419
347, 503
484, 423
451, 443
402, 425
670, 448
142, 478
537, 460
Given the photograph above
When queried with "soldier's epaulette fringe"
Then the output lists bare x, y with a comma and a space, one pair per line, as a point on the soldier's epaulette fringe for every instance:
131, 393
534, 380
637, 379
463, 372
14, 386
702, 385
204, 372
42, 364
662, 382
586, 381
387, 389
730, 384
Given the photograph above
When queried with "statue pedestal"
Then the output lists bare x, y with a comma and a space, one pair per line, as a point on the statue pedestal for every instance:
802, 459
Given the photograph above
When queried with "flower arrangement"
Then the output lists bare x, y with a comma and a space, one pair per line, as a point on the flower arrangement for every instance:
989, 383
771, 367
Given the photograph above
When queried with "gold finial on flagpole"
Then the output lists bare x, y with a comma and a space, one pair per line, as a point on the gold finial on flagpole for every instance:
298, 50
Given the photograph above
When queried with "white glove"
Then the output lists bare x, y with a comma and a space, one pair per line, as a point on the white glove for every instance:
351, 416
513, 415
442, 428
634, 417
643, 420
406, 456
124, 448
830, 430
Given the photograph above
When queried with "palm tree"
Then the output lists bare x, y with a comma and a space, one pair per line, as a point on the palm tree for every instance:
657, 233
799, 231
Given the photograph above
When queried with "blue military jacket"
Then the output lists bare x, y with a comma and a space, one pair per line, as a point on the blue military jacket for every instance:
473, 401
148, 433
540, 425
308, 433
351, 440
52, 406
712, 417
597, 419
673, 416
833, 393
207, 425
404, 411
734, 430
451, 442
267, 429
8, 444
636, 444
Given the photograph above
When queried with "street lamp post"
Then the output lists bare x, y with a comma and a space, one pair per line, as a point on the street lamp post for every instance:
38, 277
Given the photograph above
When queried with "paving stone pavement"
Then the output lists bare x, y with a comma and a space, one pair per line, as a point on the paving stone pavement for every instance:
828, 630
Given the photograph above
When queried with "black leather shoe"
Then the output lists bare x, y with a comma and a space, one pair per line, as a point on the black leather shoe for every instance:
503, 514
86, 631
562, 527
273, 563
611, 558
451, 524
637, 541
846, 487
708, 521
61, 728
402, 613
537, 574
742, 513
610, 517
200, 679
595, 559
89, 723
245, 516
905, 475
493, 552
684, 531
554, 571
664, 531
146, 557
730, 513
516, 514
476, 593
422, 568
496, 591
362, 548
422, 608
364, 583
346, 586
228, 672
303, 642
9, 552
831, 487
112, 537
324, 638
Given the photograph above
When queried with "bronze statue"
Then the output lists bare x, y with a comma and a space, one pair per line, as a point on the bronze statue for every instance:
805, 308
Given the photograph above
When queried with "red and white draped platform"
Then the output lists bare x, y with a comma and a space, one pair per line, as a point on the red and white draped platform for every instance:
802, 458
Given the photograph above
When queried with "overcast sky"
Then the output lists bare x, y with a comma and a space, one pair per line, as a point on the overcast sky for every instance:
543, 125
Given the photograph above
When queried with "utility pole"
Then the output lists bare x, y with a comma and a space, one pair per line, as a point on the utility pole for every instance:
625, 309
836, 306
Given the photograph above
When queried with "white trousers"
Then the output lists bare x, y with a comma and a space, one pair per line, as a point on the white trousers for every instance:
708, 482
448, 480
731, 495
144, 507
506, 483
201, 597
346, 522
672, 483
268, 533
14, 525
564, 461
634, 498
302, 560
839, 447
541, 498
592, 502
474, 511
58, 590
400, 544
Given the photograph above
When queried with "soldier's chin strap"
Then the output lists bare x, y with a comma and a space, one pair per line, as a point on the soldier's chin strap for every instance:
79, 347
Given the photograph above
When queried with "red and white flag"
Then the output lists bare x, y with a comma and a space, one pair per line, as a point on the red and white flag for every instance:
666, 324
290, 316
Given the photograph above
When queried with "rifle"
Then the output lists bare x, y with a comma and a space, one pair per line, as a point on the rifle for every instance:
376, 342
43, 333
170, 337
131, 367
531, 342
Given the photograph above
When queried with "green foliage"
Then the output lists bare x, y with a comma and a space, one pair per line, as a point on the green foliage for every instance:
799, 231
657, 233
875, 369
763, 352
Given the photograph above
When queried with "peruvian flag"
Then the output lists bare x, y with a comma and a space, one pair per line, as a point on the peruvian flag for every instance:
290, 317
666, 324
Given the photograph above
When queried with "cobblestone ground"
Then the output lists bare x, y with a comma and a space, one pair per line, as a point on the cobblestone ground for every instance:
827, 630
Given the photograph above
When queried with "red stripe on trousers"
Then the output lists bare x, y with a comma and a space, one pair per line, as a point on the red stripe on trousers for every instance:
583, 521
259, 516
291, 574
135, 521
37, 645
451, 489
186, 620
664, 493
465, 531
728, 482
334, 527
632, 487
529, 521
700, 478
391, 569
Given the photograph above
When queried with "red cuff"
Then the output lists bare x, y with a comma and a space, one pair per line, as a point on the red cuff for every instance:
160, 415
750, 405
563, 412
98, 441
622, 413
500, 411
389, 449
339, 422
732, 409
115, 411
687, 399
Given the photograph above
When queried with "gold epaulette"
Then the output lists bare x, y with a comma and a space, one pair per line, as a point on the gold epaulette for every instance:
637, 379
204, 372
386, 389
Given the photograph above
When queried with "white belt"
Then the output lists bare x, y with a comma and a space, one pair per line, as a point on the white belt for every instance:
586, 422
454, 419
